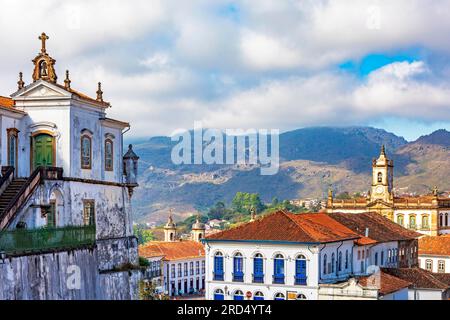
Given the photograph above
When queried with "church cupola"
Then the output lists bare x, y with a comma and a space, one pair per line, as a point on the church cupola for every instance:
44, 65
170, 229
198, 230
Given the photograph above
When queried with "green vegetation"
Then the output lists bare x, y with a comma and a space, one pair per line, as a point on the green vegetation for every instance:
144, 235
143, 262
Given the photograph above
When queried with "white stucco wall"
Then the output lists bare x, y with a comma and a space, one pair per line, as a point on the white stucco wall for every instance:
248, 250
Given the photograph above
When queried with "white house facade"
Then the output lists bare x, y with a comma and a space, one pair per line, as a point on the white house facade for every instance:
63, 169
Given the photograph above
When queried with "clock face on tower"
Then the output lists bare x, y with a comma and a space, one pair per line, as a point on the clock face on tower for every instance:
379, 190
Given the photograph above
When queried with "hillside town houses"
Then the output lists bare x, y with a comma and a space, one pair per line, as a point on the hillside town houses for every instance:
182, 262
65, 192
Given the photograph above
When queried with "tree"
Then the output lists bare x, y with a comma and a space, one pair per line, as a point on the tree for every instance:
144, 235
244, 202
218, 211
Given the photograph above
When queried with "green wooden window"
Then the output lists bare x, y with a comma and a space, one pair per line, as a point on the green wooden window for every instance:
89, 212
51, 215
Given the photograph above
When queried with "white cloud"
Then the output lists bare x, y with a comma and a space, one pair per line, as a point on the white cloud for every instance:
165, 64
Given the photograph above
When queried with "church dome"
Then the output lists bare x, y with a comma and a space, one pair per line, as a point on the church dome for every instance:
198, 225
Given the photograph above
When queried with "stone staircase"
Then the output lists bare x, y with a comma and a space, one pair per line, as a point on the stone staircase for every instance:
10, 192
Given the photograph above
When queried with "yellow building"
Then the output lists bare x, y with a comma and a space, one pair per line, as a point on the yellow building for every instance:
428, 214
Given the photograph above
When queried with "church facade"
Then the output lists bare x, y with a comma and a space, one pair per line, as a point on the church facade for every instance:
65, 193
427, 214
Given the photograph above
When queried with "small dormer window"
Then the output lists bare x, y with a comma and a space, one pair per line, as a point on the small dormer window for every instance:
86, 152
109, 155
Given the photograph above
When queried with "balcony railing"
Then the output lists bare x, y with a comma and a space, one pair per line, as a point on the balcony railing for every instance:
238, 277
46, 239
218, 276
258, 278
278, 279
300, 281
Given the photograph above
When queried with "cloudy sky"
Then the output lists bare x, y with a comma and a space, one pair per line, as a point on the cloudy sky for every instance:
281, 64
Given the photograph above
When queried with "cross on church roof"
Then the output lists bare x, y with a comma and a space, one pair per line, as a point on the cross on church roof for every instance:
43, 37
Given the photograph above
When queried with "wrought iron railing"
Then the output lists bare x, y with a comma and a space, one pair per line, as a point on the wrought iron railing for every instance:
46, 239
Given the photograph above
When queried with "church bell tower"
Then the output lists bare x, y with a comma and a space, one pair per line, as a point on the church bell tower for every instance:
382, 178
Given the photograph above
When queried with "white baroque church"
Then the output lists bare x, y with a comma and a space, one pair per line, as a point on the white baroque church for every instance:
65, 193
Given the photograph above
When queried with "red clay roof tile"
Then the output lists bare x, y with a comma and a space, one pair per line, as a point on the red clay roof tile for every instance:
177, 250
289, 227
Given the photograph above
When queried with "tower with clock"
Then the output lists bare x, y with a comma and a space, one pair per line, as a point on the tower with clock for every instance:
382, 178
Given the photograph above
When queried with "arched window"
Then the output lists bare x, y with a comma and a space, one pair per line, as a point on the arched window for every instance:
382, 258
425, 222
13, 134
339, 261
279, 296
380, 177
109, 155
376, 258
346, 259
238, 267
333, 261
86, 152
441, 266
278, 276
301, 297
300, 270
412, 221
258, 296
218, 294
218, 266
238, 295
446, 219
389, 256
441, 220
180, 270
325, 264
401, 220
258, 268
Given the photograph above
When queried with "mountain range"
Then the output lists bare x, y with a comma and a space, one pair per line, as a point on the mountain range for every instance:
311, 159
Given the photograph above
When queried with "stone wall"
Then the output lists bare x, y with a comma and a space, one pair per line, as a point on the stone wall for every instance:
82, 274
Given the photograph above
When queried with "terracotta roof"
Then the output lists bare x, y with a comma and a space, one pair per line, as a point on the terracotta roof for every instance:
443, 277
385, 283
380, 229
177, 250
6, 102
289, 227
419, 278
439, 246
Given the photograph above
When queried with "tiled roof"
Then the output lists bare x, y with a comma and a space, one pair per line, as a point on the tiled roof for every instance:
380, 229
439, 246
288, 227
6, 102
385, 283
420, 278
177, 250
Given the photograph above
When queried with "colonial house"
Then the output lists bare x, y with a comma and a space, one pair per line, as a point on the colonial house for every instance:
182, 262
286, 256
424, 285
427, 214
65, 193
434, 254
385, 244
